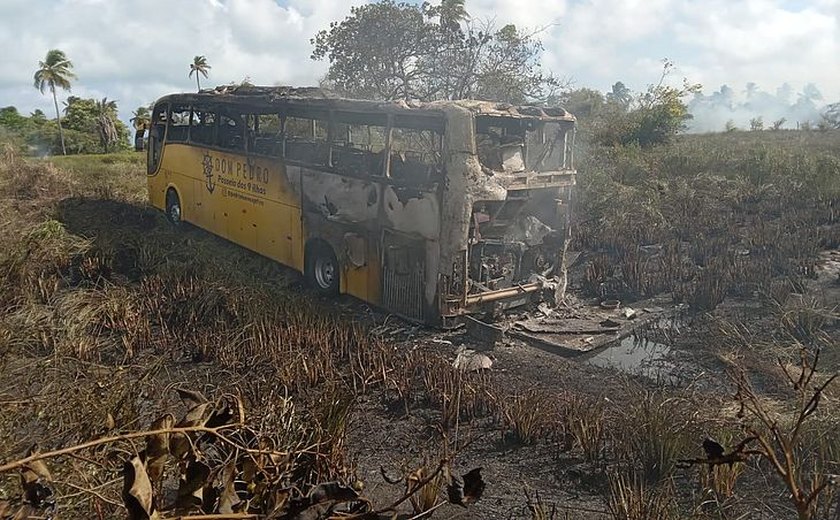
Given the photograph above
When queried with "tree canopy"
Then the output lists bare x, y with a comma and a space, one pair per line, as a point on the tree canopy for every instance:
55, 71
390, 50
199, 67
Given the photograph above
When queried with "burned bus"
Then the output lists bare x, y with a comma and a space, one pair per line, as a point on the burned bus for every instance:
427, 210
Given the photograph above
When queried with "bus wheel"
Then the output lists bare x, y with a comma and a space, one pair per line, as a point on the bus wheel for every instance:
173, 207
322, 269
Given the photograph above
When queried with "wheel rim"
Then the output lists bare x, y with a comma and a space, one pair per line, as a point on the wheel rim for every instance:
175, 211
324, 273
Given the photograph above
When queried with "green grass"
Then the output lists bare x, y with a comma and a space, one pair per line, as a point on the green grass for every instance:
112, 176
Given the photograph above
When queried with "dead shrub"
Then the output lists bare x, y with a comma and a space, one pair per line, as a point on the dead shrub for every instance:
631, 498
803, 317
585, 419
652, 430
457, 394
526, 418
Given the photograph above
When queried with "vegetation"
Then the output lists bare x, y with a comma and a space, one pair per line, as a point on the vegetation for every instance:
199, 67
94, 282
55, 72
164, 373
89, 126
389, 50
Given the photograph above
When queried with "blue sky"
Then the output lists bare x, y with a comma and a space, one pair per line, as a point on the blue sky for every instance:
135, 51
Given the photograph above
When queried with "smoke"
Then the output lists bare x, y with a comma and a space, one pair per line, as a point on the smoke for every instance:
727, 108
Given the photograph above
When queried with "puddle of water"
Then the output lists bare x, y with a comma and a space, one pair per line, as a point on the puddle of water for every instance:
636, 356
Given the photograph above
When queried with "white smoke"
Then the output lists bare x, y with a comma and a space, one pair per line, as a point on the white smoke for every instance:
728, 107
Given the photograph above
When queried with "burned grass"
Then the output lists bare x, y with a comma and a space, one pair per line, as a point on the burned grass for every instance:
107, 311
706, 219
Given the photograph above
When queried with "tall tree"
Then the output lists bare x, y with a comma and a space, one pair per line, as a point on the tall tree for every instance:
106, 112
141, 119
620, 94
55, 71
199, 67
389, 50
377, 51
452, 13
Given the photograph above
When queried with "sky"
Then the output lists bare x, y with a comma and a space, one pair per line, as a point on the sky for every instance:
135, 52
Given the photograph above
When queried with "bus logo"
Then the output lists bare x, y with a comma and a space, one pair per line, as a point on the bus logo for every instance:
210, 184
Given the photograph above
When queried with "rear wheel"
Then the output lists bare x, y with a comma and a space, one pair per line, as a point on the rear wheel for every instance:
173, 207
322, 270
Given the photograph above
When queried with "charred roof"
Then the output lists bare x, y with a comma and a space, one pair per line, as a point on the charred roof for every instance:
323, 99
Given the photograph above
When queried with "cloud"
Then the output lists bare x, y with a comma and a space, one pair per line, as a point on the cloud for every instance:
137, 51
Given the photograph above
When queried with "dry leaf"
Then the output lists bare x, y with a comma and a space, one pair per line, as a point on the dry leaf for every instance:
110, 423
191, 398
228, 499
34, 479
137, 491
179, 445
191, 486
157, 447
471, 490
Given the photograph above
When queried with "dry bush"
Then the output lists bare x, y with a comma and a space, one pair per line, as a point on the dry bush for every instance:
631, 498
212, 461
28, 180
791, 438
803, 317
585, 419
652, 430
721, 479
527, 418
457, 394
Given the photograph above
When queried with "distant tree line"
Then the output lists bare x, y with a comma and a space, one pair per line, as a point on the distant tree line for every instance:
388, 50
755, 109
84, 125
88, 126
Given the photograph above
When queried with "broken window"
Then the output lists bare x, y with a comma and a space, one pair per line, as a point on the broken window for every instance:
203, 128
179, 124
230, 133
546, 145
358, 143
305, 140
156, 134
516, 145
416, 153
264, 134
500, 143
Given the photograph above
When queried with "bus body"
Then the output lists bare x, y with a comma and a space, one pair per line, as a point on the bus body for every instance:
427, 210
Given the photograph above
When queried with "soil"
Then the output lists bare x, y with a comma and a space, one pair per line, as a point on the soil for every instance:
383, 439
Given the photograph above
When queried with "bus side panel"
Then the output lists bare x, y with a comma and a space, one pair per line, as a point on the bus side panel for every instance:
247, 200
279, 235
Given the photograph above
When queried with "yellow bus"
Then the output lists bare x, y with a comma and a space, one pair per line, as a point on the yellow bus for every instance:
427, 210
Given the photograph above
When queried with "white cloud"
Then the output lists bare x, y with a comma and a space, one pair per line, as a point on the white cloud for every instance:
137, 51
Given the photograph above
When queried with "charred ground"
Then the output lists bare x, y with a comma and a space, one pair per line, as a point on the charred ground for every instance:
106, 309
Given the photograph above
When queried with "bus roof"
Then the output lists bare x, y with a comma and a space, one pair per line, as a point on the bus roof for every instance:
322, 99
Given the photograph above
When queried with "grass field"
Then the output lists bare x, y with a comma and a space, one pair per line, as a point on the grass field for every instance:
212, 383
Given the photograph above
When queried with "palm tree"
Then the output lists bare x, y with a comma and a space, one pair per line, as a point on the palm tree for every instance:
452, 13
141, 119
55, 71
199, 66
105, 113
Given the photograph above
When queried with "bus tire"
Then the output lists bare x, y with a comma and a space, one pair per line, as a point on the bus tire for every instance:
321, 270
173, 207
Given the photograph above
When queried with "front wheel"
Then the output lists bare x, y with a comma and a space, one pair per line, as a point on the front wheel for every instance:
322, 270
173, 207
